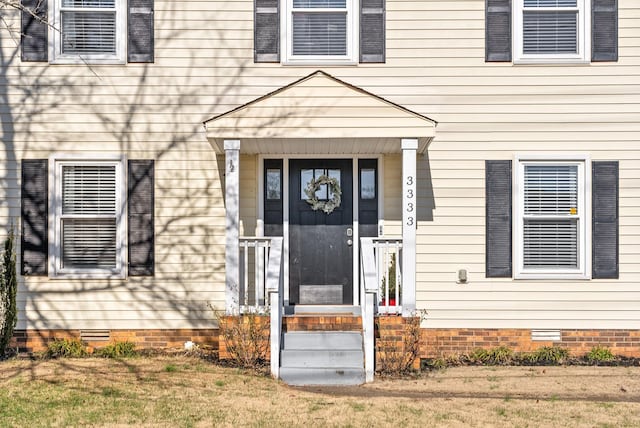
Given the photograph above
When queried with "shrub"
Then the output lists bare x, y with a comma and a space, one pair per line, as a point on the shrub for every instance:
496, 356
246, 338
547, 355
124, 349
600, 354
69, 348
397, 360
8, 290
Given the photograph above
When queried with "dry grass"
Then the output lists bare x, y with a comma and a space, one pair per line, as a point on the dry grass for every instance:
181, 391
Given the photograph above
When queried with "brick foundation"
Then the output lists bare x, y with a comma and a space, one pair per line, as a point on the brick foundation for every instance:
433, 342
322, 323
394, 337
37, 340
442, 342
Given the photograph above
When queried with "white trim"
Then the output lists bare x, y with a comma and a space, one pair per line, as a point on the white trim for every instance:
260, 197
56, 161
380, 185
55, 38
583, 34
583, 162
353, 34
355, 227
285, 207
285, 226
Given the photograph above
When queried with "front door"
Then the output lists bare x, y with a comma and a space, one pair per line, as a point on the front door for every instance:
321, 231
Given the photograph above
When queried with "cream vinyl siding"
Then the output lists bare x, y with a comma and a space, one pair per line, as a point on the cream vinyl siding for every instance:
434, 66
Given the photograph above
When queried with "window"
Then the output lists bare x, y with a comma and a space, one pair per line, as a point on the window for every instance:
323, 193
551, 30
90, 30
596, 216
87, 31
87, 221
320, 30
551, 218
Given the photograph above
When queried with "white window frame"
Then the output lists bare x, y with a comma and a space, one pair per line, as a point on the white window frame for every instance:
55, 38
584, 217
286, 36
56, 162
583, 35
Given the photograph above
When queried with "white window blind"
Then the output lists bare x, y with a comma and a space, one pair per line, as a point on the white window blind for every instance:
551, 216
319, 27
89, 217
88, 26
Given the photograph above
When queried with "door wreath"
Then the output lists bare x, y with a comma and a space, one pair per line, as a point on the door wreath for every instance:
325, 205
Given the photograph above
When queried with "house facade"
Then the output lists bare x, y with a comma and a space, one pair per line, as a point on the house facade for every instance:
477, 160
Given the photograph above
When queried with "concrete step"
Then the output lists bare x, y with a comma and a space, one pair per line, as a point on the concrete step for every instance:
319, 340
321, 358
322, 376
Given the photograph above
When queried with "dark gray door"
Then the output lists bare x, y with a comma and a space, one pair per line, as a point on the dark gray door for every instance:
320, 243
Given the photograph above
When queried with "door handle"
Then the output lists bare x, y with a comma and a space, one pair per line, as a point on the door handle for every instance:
349, 242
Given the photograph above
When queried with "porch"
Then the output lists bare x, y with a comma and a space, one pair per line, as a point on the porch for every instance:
320, 238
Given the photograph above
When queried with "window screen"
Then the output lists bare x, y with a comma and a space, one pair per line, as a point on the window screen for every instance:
550, 229
550, 27
319, 27
88, 26
88, 217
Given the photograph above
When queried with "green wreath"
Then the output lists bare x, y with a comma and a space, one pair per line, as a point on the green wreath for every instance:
329, 205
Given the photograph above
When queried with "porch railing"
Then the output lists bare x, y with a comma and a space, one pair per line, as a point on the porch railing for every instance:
380, 289
254, 258
262, 286
388, 257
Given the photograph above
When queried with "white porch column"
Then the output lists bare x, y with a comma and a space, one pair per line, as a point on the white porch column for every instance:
409, 220
232, 228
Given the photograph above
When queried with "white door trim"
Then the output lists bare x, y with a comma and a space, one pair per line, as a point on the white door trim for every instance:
285, 208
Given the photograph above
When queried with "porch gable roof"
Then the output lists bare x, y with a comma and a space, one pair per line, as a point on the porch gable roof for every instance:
319, 108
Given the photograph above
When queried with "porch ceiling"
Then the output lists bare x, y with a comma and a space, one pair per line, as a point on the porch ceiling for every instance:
319, 114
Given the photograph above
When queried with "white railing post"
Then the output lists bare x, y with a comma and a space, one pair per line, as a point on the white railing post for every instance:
274, 286
368, 289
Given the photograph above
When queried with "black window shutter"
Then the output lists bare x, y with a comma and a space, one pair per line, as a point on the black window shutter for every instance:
604, 208
140, 202
34, 248
498, 30
604, 30
498, 218
34, 31
140, 41
372, 30
266, 31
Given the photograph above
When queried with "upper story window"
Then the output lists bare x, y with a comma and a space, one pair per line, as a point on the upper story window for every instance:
90, 30
87, 31
320, 31
551, 30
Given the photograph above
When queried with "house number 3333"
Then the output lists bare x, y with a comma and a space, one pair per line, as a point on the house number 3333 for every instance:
409, 203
